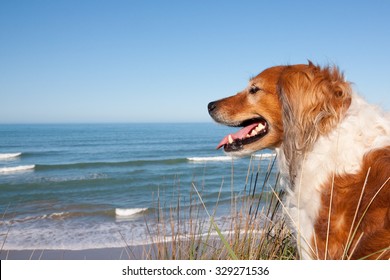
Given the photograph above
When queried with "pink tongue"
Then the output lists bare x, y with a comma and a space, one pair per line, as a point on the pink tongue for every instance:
238, 135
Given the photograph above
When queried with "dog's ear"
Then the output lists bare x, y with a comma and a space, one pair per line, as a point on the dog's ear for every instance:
313, 101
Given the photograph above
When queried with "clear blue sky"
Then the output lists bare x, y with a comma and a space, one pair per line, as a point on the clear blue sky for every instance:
147, 61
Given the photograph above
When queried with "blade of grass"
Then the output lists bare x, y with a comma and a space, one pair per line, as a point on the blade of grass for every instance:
224, 241
350, 235
368, 206
292, 220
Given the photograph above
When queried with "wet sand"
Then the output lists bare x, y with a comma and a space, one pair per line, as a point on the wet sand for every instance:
125, 253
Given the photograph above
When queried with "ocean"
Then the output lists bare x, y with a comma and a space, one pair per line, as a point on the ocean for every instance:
82, 186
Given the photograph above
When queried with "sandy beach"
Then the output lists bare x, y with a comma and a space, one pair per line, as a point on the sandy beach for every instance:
124, 253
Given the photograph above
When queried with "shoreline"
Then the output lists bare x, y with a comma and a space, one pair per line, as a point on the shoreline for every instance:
153, 251
119, 253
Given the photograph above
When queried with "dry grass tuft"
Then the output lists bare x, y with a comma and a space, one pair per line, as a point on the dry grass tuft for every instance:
255, 229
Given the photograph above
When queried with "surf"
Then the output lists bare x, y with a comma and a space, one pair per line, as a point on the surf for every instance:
216, 158
127, 212
9, 156
227, 158
265, 155
14, 169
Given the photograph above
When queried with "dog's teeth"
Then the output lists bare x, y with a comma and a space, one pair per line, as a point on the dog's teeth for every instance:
253, 133
259, 127
230, 139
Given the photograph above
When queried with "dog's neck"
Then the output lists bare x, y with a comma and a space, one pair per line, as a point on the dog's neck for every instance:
371, 131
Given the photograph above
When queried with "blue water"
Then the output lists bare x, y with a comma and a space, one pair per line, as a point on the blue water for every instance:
78, 186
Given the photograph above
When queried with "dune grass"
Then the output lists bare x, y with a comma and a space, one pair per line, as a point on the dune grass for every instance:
255, 228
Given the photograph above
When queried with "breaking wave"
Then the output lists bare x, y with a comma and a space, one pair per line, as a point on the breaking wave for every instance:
127, 212
9, 156
21, 168
265, 155
203, 159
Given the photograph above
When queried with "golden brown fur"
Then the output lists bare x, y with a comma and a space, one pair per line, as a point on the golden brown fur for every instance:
359, 225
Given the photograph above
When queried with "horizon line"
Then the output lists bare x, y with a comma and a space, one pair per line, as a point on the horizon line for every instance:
108, 122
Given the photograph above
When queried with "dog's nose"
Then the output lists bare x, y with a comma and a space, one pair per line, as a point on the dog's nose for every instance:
211, 106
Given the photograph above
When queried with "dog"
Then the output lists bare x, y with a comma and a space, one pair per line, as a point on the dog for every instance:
333, 150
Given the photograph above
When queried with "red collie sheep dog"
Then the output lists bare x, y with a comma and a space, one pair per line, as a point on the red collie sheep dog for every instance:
333, 150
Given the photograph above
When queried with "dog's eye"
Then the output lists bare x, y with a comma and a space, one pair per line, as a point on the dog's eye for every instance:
253, 89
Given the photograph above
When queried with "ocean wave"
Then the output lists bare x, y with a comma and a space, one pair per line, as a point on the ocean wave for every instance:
227, 158
107, 234
25, 219
216, 158
86, 165
21, 168
127, 212
92, 177
265, 155
9, 156
65, 215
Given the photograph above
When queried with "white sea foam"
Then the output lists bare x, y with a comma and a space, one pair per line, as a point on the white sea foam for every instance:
126, 212
265, 155
21, 168
58, 215
9, 156
203, 159
227, 158
37, 232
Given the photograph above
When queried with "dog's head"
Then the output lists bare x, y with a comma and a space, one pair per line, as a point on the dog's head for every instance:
293, 103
